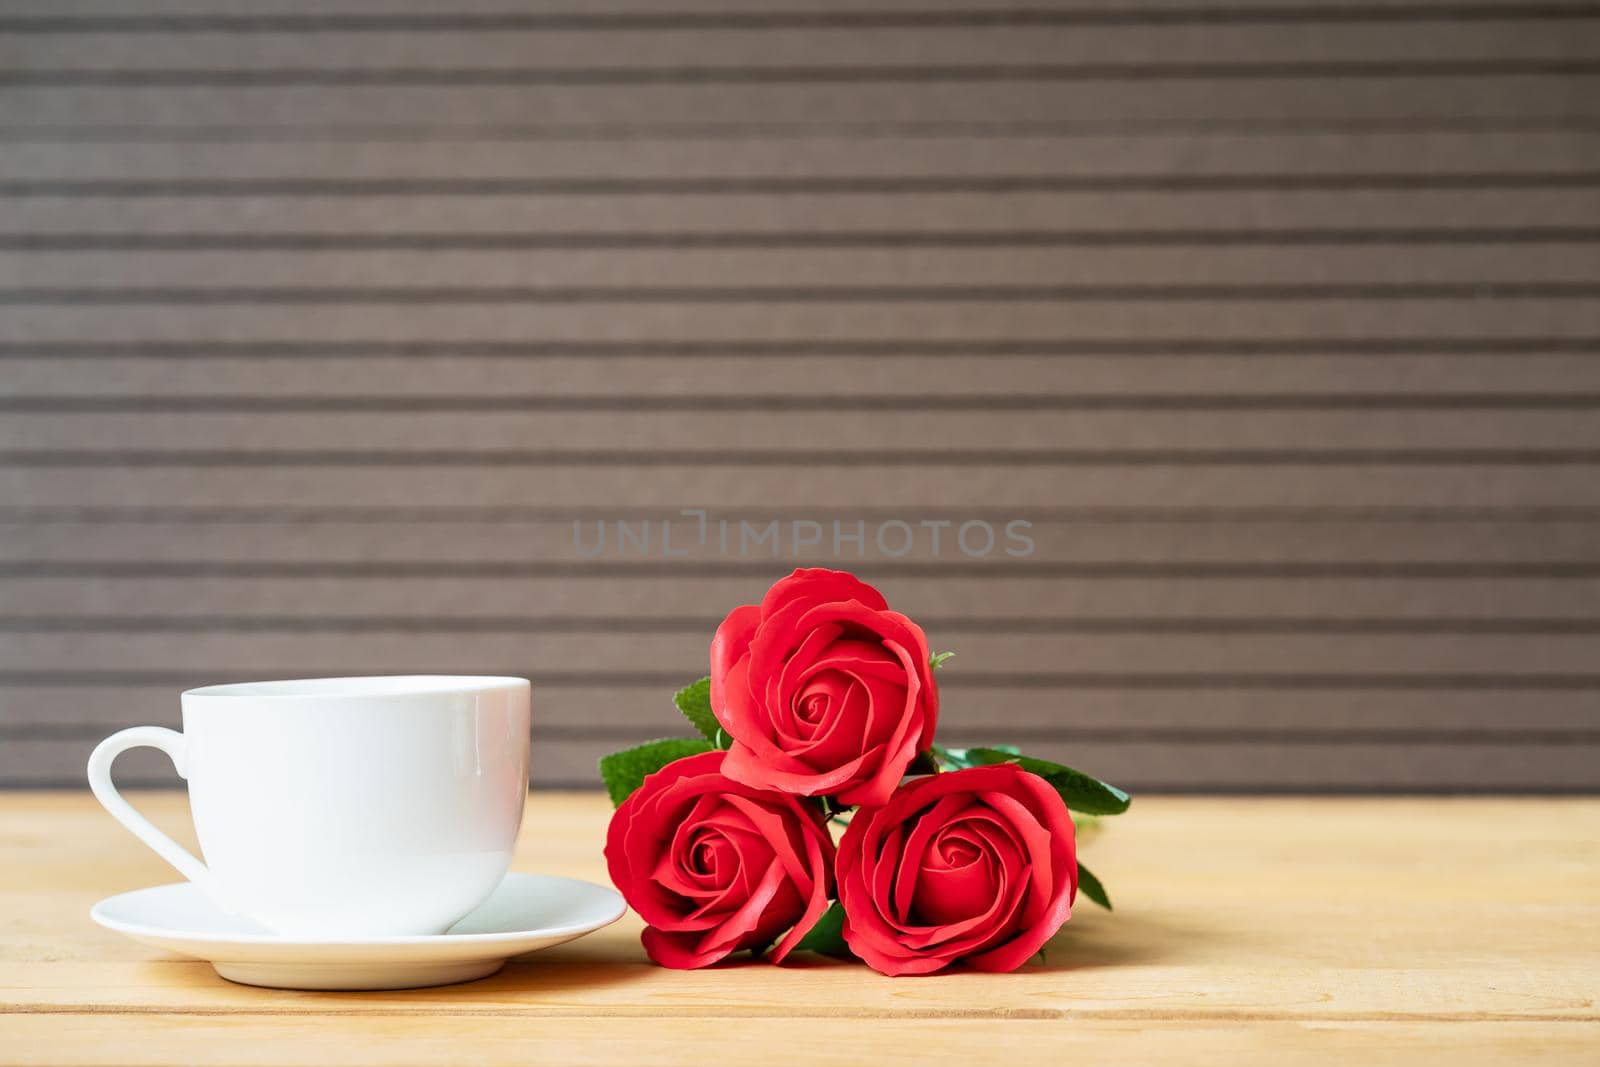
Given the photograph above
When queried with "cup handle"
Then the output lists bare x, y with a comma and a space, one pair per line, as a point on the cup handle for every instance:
173, 744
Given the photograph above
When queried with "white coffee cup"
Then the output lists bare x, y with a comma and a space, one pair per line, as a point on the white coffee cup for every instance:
343, 807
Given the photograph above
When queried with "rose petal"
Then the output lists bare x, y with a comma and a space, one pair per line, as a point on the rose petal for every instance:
918, 834
730, 645
912, 732
818, 585
775, 837
895, 965
881, 877
676, 950
735, 706
744, 764
795, 668
948, 892
975, 866
688, 824
728, 936
819, 706
864, 659
644, 822
1035, 841
841, 736
755, 854
993, 924
783, 633
818, 858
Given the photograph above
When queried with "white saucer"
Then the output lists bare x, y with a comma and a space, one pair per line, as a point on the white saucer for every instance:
527, 912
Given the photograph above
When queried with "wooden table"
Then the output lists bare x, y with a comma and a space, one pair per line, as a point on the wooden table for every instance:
1274, 930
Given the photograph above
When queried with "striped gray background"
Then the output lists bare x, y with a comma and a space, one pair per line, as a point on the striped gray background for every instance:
320, 325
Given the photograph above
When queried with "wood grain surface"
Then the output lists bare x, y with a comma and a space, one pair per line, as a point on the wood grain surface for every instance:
1246, 931
1279, 322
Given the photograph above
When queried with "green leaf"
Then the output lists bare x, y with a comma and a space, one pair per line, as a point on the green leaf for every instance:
937, 659
625, 771
923, 763
1090, 886
1082, 792
827, 937
694, 701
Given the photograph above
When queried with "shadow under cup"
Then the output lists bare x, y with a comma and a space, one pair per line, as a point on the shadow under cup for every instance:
356, 807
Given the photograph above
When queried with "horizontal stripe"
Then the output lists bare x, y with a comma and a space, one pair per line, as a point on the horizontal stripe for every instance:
817, 74
1104, 211
1164, 155
1396, 347
753, 457
602, 568
247, 514
1031, 437
440, 624
1171, 735
1168, 539
898, 320
1284, 681
907, 402
1186, 537
887, 278
1197, 14
826, 489
963, 100
596, 186
960, 589
841, 294
407, 133
423, 242
1462, 783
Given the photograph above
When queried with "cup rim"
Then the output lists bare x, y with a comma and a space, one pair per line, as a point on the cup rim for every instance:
360, 687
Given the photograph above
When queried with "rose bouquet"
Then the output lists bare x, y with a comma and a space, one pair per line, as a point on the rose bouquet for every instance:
821, 709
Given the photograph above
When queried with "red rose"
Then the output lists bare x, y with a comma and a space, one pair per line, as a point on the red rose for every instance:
714, 866
822, 689
977, 866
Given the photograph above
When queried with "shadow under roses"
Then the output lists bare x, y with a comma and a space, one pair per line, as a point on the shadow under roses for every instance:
1093, 940
1099, 939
